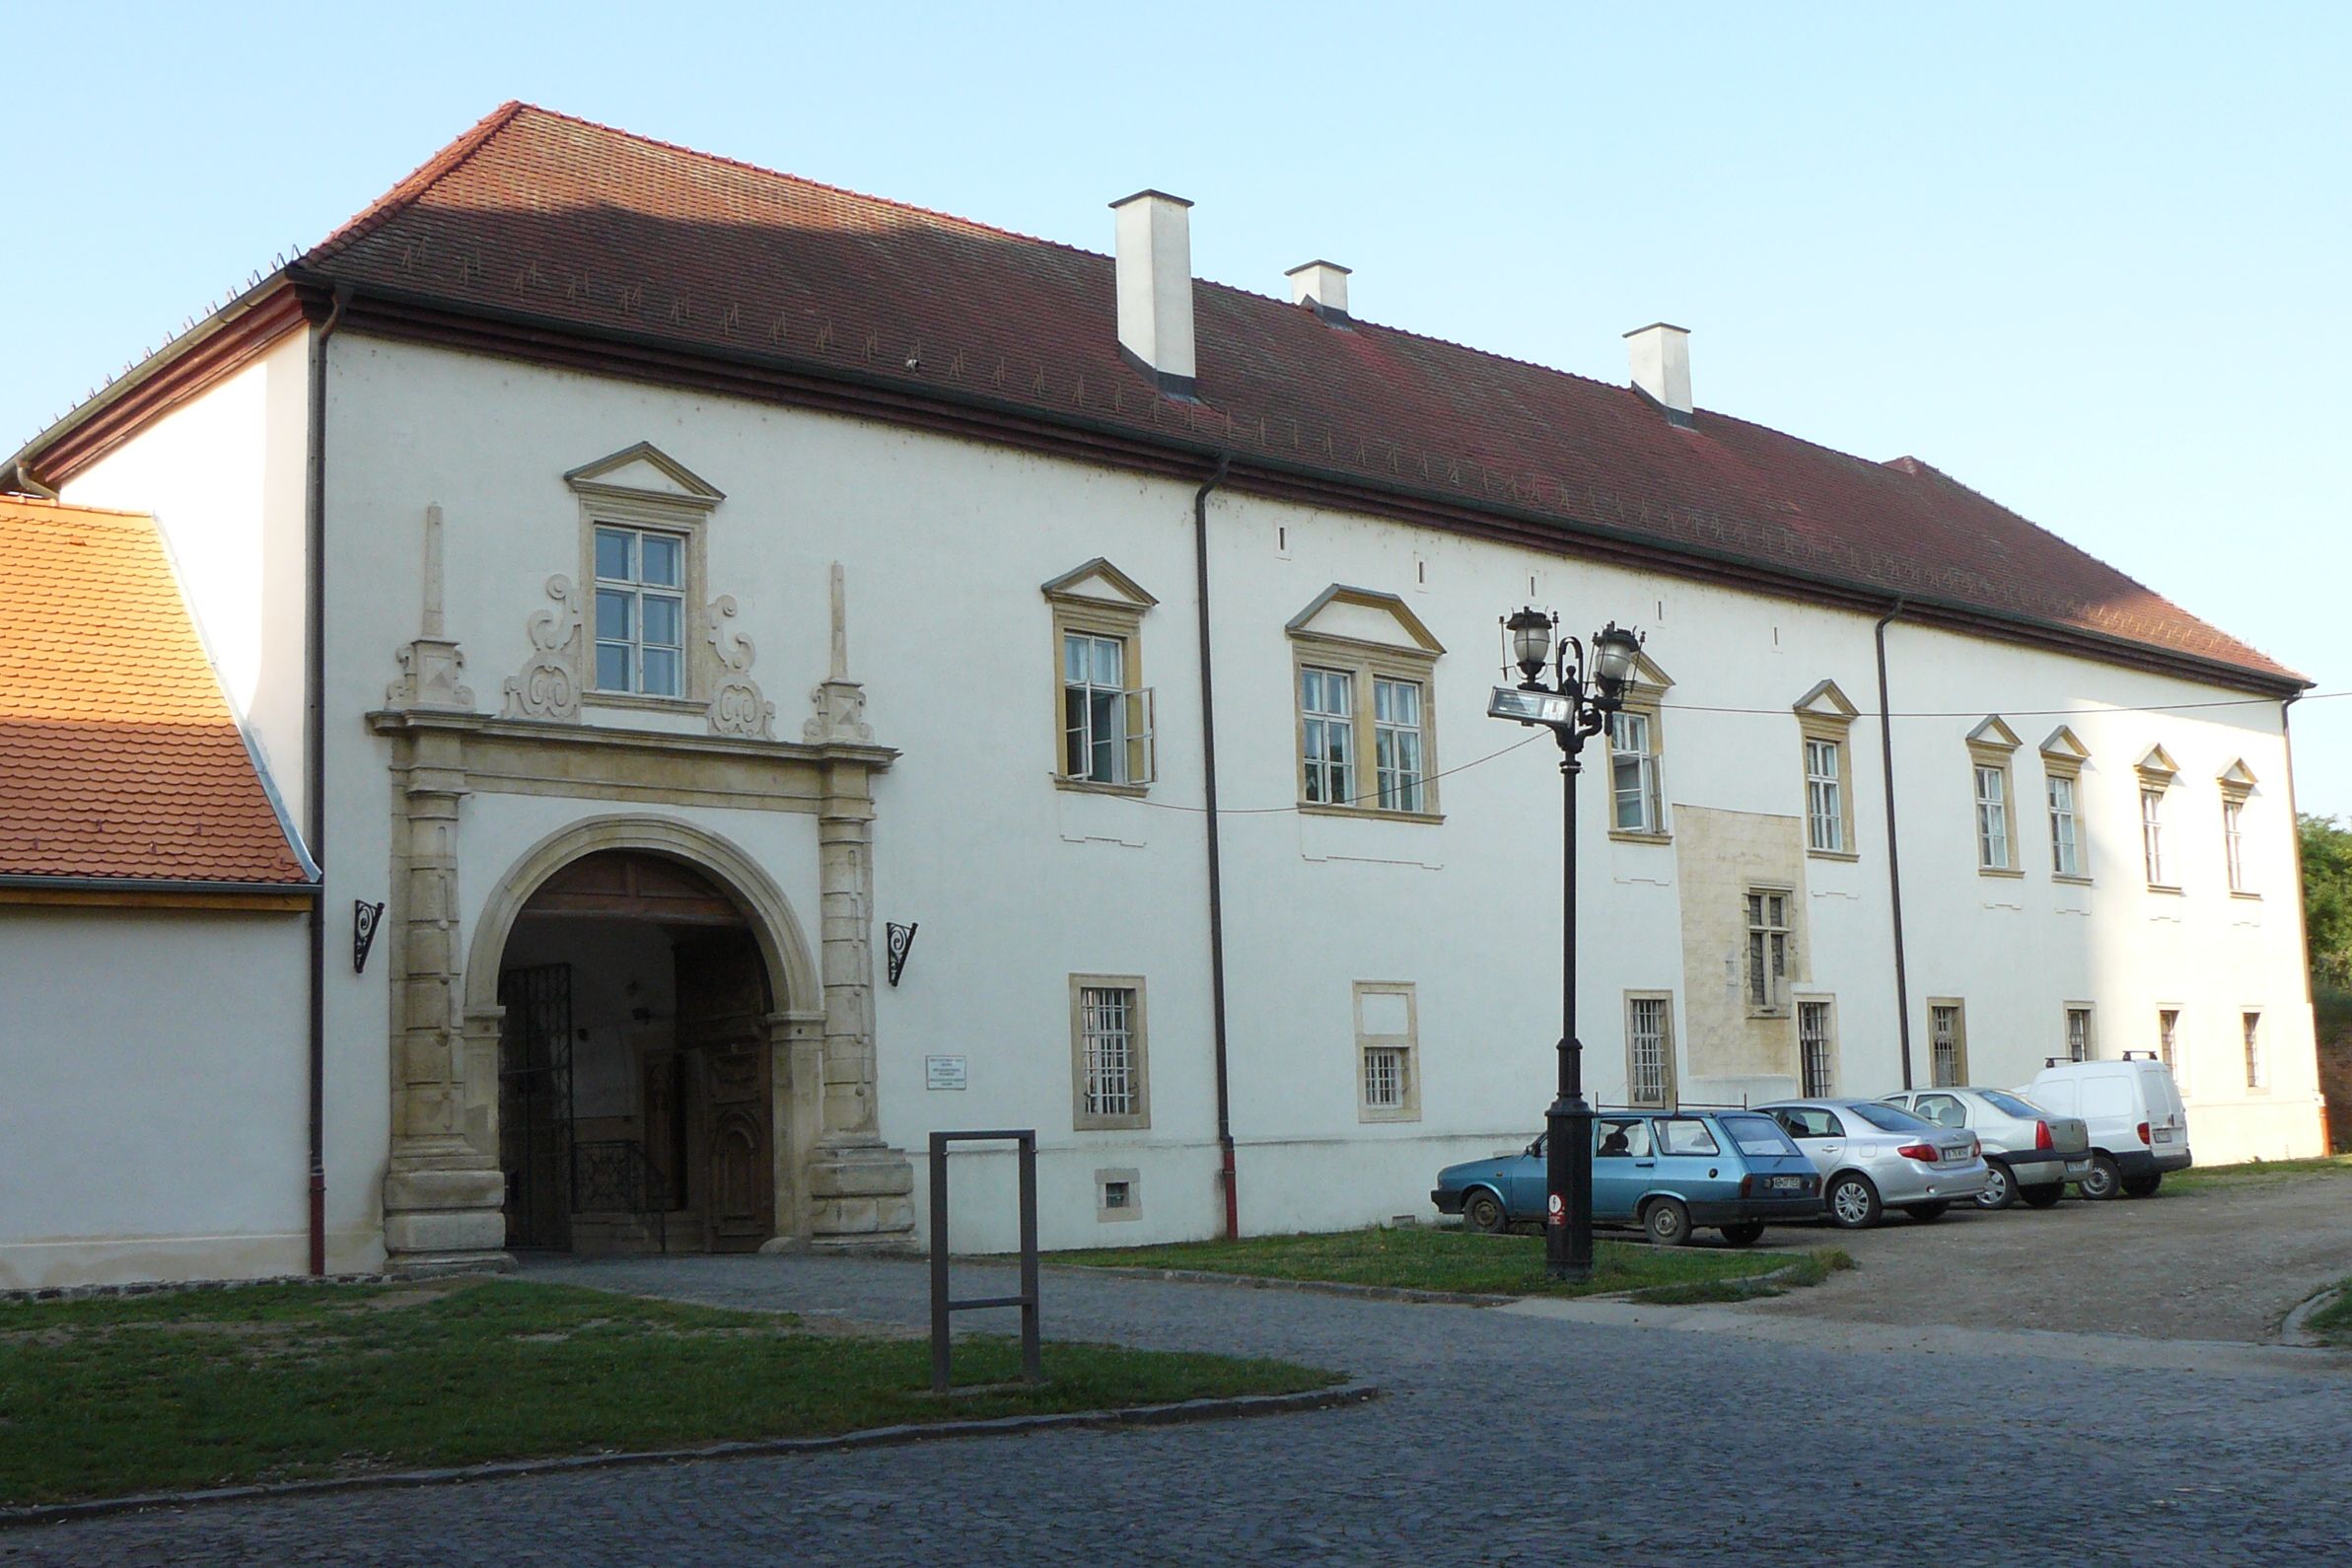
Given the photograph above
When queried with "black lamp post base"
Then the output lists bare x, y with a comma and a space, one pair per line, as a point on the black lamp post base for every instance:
1568, 1184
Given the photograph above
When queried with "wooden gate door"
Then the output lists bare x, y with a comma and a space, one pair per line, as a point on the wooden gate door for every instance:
722, 997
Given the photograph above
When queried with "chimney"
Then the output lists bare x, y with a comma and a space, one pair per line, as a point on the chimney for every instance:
1662, 367
1155, 283
1322, 285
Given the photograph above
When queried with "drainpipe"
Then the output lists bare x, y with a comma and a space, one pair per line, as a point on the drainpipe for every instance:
25, 483
314, 723
1208, 754
1895, 868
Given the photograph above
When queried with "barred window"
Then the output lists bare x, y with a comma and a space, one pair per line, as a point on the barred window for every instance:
1108, 1053
2078, 1035
1947, 1044
1649, 1049
2251, 1024
1816, 1045
1388, 1043
2167, 1033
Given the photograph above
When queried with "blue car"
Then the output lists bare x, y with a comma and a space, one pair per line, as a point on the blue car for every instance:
1667, 1172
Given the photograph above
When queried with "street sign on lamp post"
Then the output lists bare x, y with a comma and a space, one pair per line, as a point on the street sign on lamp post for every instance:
1586, 687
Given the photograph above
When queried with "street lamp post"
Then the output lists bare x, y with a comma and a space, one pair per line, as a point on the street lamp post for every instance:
1585, 689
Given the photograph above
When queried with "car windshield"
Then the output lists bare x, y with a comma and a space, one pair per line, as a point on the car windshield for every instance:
1758, 1135
1888, 1118
2012, 1104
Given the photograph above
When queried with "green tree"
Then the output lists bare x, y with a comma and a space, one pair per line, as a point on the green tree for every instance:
2327, 896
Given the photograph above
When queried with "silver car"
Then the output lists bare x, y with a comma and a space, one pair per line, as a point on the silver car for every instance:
2030, 1152
1875, 1157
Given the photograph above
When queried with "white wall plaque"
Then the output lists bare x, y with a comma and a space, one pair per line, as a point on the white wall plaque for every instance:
942, 1072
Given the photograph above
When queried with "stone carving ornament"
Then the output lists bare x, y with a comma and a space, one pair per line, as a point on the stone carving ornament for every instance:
548, 686
737, 705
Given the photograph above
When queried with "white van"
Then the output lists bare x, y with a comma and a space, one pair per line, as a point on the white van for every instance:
2139, 1128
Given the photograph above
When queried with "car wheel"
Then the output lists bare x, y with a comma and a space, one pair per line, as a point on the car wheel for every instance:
2104, 1182
1667, 1222
1852, 1202
1482, 1211
2143, 1187
1927, 1211
2043, 1197
1999, 1191
1745, 1234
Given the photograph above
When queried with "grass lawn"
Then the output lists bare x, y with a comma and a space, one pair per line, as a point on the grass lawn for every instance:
199, 1388
2211, 1177
1419, 1259
2334, 1322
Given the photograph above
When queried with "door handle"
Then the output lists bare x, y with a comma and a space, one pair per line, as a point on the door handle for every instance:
1645, 1164
1832, 1148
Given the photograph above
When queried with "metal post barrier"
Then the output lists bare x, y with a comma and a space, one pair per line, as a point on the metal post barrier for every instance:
1032, 1364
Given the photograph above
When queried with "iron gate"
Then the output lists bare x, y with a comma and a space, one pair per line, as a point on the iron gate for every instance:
534, 1103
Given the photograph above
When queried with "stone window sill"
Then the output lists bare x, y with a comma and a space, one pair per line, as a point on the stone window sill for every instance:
2070, 878
1832, 854
1625, 835
2168, 890
1998, 871
1369, 812
632, 699
2253, 897
1091, 786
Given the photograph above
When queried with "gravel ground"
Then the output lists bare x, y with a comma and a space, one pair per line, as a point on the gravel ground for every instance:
2224, 1263
1512, 1435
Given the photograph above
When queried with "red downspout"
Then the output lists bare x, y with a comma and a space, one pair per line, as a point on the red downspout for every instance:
1208, 754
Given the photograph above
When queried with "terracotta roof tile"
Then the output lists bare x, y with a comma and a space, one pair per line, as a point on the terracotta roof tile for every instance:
579, 225
119, 754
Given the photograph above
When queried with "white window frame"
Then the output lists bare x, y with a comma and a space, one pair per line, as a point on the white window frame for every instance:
1640, 763
633, 591
1388, 1062
1650, 1051
1995, 850
1400, 745
1372, 644
1817, 1047
2152, 835
1824, 796
1327, 736
2066, 825
1127, 758
1770, 954
1095, 1030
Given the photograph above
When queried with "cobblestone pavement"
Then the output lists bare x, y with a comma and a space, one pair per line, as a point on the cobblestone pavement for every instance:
2226, 1262
1506, 1435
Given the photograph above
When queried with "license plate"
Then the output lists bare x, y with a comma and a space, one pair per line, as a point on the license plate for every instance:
1788, 1183
2163, 1136
1955, 1156
2078, 1167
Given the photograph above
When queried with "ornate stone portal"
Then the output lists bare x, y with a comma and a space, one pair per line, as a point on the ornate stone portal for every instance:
837, 1183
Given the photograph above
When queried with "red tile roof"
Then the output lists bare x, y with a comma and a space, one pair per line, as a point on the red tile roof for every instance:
583, 226
119, 754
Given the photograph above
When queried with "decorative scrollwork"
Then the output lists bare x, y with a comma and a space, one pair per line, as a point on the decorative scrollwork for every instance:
548, 686
737, 706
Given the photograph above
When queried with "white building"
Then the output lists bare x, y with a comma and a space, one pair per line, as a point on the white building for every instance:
599, 455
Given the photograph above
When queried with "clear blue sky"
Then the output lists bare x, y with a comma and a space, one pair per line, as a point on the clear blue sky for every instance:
2089, 260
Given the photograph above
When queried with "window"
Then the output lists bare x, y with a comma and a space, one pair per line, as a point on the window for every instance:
2066, 847
640, 611
1824, 797
2251, 1024
1817, 1048
2078, 1035
1327, 732
1768, 950
2233, 841
1388, 1042
1810, 1121
2152, 835
1948, 1044
1109, 1065
1945, 1110
1636, 805
1685, 1135
1107, 724
1396, 744
1992, 819
1823, 720
1363, 664
2168, 1036
1649, 1048
1621, 1138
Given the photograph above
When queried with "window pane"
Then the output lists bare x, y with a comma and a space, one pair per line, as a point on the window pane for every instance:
613, 554
1625, 781
661, 672
663, 617
1074, 658
614, 613
664, 558
613, 667
1073, 728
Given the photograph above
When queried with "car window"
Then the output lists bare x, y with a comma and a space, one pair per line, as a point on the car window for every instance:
2012, 1104
1684, 1135
1622, 1138
1758, 1135
1945, 1110
1889, 1119
1810, 1121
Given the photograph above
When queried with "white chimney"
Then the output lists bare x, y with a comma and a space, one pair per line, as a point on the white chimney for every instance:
1661, 367
1322, 285
1155, 280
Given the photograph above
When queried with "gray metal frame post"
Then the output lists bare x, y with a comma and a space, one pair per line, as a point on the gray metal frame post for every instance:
1033, 1362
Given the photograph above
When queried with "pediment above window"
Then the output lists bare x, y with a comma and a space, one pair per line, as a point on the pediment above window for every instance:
1099, 584
1365, 617
2157, 766
2238, 779
645, 473
1993, 735
2063, 745
1826, 701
